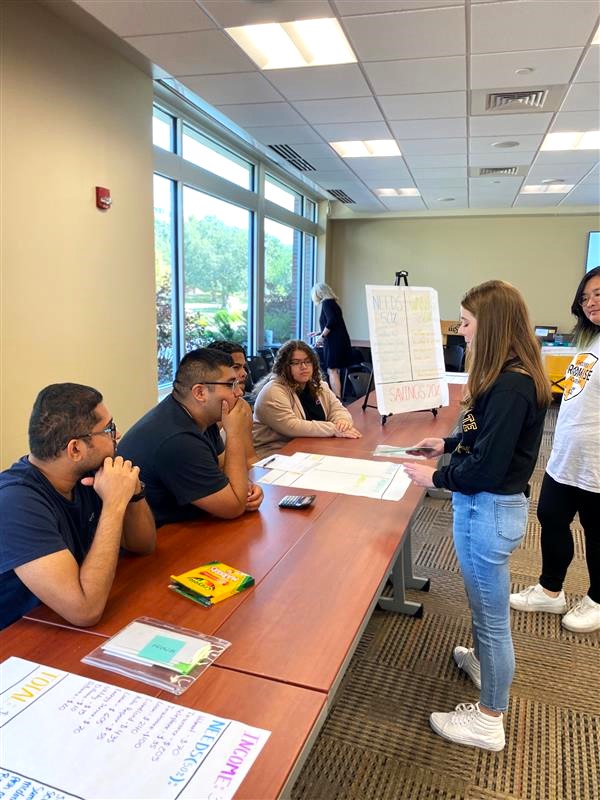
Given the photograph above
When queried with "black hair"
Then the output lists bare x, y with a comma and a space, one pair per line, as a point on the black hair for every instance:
227, 347
283, 370
198, 366
61, 412
584, 330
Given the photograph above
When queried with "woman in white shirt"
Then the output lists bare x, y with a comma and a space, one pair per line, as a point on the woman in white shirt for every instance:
572, 481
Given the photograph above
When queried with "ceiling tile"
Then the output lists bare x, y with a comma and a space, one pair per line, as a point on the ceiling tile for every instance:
324, 163
582, 97
537, 200
197, 53
498, 70
488, 202
576, 121
351, 131
484, 144
231, 13
256, 114
320, 150
138, 17
539, 25
376, 164
427, 185
433, 146
590, 66
362, 109
284, 134
429, 128
315, 83
556, 157
569, 173
415, 34
241, 87
500, 185
441, 172
402, 203
501, 159
458, 201
584, 195
504, 124
436, 161
351, 7
424, 106
422, 75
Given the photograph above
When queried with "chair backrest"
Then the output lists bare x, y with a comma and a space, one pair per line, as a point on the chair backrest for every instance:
268, 356
454, 356
359, 382
258, 367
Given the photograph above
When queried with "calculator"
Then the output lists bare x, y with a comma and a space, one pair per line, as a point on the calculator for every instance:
297, 501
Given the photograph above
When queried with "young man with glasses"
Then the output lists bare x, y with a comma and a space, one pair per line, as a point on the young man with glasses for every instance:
67, 508
184, 464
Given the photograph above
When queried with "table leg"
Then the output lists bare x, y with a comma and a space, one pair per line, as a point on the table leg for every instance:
402, 578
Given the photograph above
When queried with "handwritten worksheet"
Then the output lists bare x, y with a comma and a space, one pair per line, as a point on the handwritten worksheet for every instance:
64, 736
360, 477
406, 345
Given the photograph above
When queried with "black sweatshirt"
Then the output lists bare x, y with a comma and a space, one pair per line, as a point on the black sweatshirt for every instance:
500, 439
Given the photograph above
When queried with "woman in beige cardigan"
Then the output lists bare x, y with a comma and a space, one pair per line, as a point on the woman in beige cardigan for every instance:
293, 401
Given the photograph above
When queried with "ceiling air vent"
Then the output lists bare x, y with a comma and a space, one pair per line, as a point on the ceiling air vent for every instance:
534, 98
498, 171
292, 157
340, 195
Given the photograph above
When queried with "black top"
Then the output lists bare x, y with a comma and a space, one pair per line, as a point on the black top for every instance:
35, 521
500, 439
337, 346
178, 461
312, 407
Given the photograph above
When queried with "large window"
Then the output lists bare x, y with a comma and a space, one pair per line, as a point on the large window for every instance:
224, 269
216, 250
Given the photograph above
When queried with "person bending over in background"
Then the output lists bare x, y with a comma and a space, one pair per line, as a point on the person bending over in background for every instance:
67, 508
293, 401
333, 336
572, 481
185, 465
491, 463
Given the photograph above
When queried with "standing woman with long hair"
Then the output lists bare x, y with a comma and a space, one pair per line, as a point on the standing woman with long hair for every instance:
572, 481
492, 460
333, 336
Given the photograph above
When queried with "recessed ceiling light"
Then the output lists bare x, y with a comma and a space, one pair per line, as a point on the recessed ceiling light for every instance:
524, 70
445, 199
372, 148
305, 43
410, 192
596, 39
548, 188
553, 180
506, 144
572, 140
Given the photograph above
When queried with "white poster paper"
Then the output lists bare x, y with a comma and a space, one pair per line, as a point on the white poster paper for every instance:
66, 736
406, 347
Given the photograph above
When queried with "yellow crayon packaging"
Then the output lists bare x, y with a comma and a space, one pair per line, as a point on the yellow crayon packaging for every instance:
210, 583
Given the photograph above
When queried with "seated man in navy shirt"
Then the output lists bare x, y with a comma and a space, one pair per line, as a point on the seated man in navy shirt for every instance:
184, 464
67, 508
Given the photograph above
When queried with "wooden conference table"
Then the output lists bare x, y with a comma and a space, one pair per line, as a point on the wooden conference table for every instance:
319, 574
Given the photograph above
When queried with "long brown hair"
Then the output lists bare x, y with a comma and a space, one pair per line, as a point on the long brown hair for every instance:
504, 334
283, 370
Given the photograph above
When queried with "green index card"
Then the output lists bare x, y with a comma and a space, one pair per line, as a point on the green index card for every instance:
161, 649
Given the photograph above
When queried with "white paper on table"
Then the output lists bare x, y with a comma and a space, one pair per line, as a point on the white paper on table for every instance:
298, 462
343, 483
63, 731
398, 486
137, 635
278, 477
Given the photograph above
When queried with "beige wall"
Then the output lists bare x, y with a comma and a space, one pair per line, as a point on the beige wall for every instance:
77, 292
543, 256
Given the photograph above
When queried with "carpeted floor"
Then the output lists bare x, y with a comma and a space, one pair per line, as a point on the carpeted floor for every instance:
376, 743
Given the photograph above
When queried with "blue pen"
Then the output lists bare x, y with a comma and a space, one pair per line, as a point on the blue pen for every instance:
269, 461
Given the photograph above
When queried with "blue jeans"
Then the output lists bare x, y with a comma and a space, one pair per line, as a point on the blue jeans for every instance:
487, 528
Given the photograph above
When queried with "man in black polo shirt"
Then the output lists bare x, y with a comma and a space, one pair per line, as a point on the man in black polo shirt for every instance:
184, 464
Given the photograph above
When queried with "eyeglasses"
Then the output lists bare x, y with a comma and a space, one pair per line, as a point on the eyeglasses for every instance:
111, 429
305, 362
586, 298
232, 384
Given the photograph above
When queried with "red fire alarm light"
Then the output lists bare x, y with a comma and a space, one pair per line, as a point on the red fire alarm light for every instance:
103, 198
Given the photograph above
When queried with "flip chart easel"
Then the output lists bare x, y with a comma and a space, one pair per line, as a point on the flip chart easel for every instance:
408, 366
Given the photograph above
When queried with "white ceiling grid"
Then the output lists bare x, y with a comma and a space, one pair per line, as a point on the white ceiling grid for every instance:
420, 65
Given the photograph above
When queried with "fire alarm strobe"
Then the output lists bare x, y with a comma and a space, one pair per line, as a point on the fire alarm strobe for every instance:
103, 198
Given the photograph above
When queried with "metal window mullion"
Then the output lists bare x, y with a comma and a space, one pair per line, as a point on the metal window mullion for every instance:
259, 261
179, 272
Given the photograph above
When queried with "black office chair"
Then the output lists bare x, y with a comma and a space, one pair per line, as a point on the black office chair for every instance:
258, 368
268, 355
454, 357
357, 381
358, 365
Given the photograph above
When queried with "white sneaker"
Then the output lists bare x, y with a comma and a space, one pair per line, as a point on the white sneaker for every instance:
468, 725
466, 660
534, 598
583, 617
